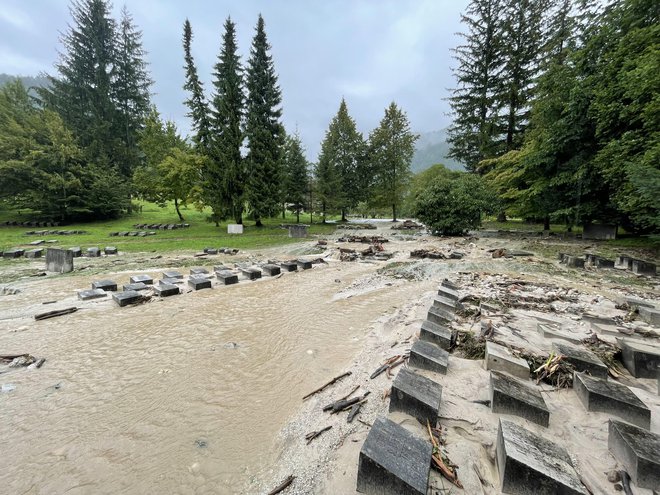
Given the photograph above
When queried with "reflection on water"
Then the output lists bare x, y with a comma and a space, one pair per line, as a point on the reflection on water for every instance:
157, 398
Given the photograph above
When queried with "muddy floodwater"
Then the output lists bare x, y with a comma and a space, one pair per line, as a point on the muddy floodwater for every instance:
182, 395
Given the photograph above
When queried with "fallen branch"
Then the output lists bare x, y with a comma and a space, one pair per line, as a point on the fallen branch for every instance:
282, 486
335, 379
57, 312
625, 481
329, 406
311, 436
439, 463
355, 410
365, 423
384, 366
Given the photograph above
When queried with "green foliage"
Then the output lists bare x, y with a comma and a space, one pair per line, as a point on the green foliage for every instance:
420, 181
295, 179
453, 202
196, 102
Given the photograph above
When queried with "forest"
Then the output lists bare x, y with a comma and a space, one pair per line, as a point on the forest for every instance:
555, 116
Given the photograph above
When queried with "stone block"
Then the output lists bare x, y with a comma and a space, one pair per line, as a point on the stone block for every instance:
499, 358
166, 290
636, 302
170, 281
59, 260
612, 398
439, 316
599, 231
209, 250
393, 461
623, 262
439, 335
271, 270
251, 273
137, 286
86, 295
643, 267
235, 228
220, 268
600, 262
34, 253
198, 282
173, 274
510, 396
92, 252
531, 464
574, 261
77, 251
650, 315
106, 285
298, 231
199, 271
550, 332
641, 359
227, 277
127, 297
304, 264
582, 359
13, 253
427, 356
449, 285
289, 266
110, 250
448, 293
416, 395
145, 279
638, 450
445, 304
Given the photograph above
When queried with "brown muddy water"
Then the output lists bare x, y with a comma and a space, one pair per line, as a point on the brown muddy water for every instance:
157, 398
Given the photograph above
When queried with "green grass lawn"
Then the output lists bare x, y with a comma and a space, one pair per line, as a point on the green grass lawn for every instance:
199, 235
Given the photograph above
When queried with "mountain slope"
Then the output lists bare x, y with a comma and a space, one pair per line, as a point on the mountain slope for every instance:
432, 148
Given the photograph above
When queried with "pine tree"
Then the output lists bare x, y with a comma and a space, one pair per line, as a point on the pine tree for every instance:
472, 134
391, 149
196, 103
295, 174
264, 132
328, 181
226, 119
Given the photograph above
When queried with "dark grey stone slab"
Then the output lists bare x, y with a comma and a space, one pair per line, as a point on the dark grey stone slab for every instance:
499, 358
643, 267
304, 264
137, 286
166, 290
650, 315
511, 396
603, 262
573, 261
34, 253
220, 268
599, 231
209, 250
145, 279
641, 359
439, 316
38, 242
416, 395
638, 450
271, 270
170, 281
623, 262
172, 274
198, 282
613, 398
550, 332
127, 297
110, 250
86, 295
227, 277
393, 461
13, 253
445, 304
582, 359
448, 292
251, 273
106, 285
439, 335
530, 464
449, 284
199, 271
77, 251
93, 252
427, 356
59, 260
289, 266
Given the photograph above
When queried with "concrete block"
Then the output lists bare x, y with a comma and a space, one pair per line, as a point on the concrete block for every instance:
137, 286
86, 295
531, 464
235, 228
13, 253
638, 450
416, 395
145, 279
106, 285
448, 292
636, 302
76, 251
643, 267
499, 358
393, 461
439, 335
641, 359
251, 273
220, 268
59, 260
109, 250
166, 290
650, 315
198, 282
209, 250
612, 398
170, 281
289, 266
172, 274
298, 231
92, 252
599, 231
439, 316
511, 396
199, 271
34, 253
127, 297
582, 359
574, 261
623, 262
549, 332
445, 304
603, 262
271, 270
304, 264
227, 277
427, 356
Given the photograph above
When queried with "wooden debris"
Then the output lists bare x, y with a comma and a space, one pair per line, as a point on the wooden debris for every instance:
331, 405
282, 486
57, 312
625, 481
355, 410
389, 364
449, 472
335, 379
311, 436
40, 363
365, 423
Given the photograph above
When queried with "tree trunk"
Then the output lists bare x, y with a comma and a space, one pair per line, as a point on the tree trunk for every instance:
238, 216
394, 212
283, 212
343, 214
258, 222
178, 212
323, 213
501, 217
297, 216
546, 222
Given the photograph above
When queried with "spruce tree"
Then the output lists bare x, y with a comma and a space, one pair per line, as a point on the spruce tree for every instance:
295, 174
391, 149
263, 129
226, 120
196, 102
472, 134
328, 181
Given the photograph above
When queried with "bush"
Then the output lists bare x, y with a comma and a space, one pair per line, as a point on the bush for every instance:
453, 204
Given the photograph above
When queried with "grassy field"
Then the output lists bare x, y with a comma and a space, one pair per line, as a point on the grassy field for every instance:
199, 235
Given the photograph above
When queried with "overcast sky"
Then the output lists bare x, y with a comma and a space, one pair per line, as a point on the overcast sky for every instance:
371, 52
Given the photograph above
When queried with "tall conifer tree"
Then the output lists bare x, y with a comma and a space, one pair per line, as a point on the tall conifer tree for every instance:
296, 181
196, 102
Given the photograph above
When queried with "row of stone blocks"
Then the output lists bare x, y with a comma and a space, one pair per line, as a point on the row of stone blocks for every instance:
14, 223
92, 252
55, 232
624, 262
131, 234
161, 226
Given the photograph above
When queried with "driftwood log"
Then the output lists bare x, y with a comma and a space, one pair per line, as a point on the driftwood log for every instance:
57, 312
282, 486
335, 379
